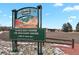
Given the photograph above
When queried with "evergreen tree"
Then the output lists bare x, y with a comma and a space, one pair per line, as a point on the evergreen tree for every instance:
77, 27
64, 27
67, 27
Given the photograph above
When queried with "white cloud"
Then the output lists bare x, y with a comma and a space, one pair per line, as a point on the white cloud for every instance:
0, 11
71, 18
58, 4
47, 14
4, 15
73, 8
10, 17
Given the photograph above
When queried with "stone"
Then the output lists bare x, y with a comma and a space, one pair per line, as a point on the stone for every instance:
27, 48
57, 51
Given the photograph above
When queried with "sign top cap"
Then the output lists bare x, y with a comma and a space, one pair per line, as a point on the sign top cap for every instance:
39, 6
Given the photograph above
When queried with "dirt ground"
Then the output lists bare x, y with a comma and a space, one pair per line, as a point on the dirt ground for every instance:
64, 35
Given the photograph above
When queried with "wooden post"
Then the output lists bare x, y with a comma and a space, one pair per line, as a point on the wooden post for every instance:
14, 16
72, 43
43, 43
14, 46
40, 26
14, 42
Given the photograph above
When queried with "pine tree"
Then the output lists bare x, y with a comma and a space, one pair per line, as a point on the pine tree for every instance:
77, 27
67, 27
64, 27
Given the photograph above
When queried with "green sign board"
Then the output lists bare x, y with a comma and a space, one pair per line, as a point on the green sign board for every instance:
30, 34
27, 25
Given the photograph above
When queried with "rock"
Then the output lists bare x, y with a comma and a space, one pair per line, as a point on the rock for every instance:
1, 51
57, 51
20, 53
26, 48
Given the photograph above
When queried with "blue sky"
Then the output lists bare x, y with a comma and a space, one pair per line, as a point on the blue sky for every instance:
53, 14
